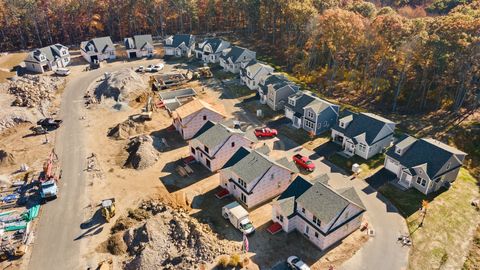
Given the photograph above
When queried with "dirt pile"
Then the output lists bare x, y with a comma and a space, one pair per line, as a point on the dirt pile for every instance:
142, 153
123, 85
126, 129
171, 239
6, 158
34, 90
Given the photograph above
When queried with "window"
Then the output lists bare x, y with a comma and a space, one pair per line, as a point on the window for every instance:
362, 147
303, 210
206, 149
316, 234
233, 144
341, 124
316, 220
309, 124
280, 218
272, 176
243, 197
291, 102
421, 181
234, 187
310, 114
204, 118
193, 150
242, 183
307, 229
208, 163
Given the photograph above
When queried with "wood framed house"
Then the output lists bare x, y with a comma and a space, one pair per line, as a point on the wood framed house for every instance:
254, 178
180, 45
210, 50
252, 73
275, 89
311, 113
363, 134
47, 58
215, 143
98, 49
233, 57
320, 213
424, 164
139, 46
190, 117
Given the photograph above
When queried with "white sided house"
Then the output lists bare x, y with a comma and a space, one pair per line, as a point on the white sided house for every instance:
232, 58
424, 164
311, 113
275, 89
210, 50
363, 134
190, 117
321, 214
180, 45
254, 178
98, 49
47, 58
215, 143
139, 46
252, 73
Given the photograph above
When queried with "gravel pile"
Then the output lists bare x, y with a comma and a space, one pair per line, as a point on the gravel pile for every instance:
142, 152
122, 85
171, 239
34, 90
126, 130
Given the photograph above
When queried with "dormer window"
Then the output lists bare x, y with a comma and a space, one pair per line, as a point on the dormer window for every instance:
205, 148
342, 124
291, 101
398, 151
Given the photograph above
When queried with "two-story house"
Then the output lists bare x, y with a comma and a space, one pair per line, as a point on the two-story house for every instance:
180, 45
321, 214
47, 58
311, 113
252, 72
424, 164
98, 49
210, 50
253, 178
190, 117
215, 143
232, 58
139, 46
363, 134
275, 89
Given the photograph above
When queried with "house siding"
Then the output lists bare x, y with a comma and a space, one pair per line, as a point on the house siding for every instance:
190, 125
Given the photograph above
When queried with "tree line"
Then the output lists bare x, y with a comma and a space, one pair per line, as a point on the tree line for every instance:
346, 48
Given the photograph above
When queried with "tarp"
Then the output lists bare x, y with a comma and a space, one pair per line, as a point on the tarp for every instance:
16, 226
32, 213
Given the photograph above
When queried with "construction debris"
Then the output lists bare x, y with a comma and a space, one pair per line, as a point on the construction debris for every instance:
6, 158
123, 85
34, 90
142, 152
126, 129
171, 239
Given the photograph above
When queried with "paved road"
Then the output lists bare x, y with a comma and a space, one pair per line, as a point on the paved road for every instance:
58, 236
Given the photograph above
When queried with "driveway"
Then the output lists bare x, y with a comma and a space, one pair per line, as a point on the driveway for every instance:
58, 238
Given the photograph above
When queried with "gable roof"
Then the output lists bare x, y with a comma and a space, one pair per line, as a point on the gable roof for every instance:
277, 81
216, 135
234, 53
326, 203
178, 39
363, 123
138, 42
287, 200
50, 52
428, 153
215, 43
99, 44
307, 100
192, 107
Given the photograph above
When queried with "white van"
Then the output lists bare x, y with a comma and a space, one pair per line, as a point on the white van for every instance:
62, 71
238, 216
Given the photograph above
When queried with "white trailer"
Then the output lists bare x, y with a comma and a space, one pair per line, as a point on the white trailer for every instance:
238, 216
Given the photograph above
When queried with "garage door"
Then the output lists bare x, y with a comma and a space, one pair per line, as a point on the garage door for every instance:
392, 166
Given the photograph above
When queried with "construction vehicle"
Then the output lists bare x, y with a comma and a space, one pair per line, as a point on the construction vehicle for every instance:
205, 72
146, 113
48, 179
108, 209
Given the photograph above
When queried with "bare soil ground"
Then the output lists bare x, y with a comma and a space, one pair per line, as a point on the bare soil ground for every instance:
9, 61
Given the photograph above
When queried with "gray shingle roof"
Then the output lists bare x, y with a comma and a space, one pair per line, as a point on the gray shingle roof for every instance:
216, 135
287, 200
100, 44
214, 44
367, 123
234, 53
50, 53
352, 196
252, 166
141, 40
288, 164
254, 67
182, 38
429, 152
277, 81
304, 100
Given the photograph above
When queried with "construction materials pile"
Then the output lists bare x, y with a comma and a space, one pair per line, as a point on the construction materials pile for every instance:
171, 239
123, 85
34, 90
142, 152
126, 129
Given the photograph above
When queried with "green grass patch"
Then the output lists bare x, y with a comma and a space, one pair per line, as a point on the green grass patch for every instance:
368, 167
254, 105
220, 74
239, 91
450, 219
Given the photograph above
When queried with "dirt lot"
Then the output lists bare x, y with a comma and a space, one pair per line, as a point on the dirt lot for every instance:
9, 61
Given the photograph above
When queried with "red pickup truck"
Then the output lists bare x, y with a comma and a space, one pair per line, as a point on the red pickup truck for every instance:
266, 132
304, 162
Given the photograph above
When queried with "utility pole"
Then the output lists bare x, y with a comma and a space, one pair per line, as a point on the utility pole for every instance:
423, 211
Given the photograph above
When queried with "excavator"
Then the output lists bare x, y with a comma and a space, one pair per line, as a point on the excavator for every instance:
108, 209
